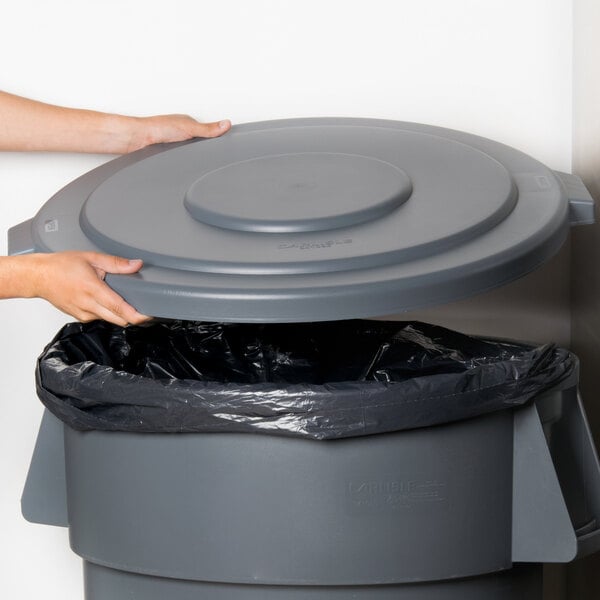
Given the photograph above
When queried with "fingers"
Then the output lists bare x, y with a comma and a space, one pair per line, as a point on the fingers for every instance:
107, 304
114, 264
113, 315
111, 307
170, 128
73, 282
118, 313
211, 130
100, 302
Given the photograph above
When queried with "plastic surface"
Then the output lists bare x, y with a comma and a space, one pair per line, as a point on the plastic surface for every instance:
344, 190
44, 497
427, 504
581, 204
576, 462
520, 583
20, 239
315, 219
321, 381
542, 531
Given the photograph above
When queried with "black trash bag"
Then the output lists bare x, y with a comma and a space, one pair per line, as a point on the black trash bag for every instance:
313, 380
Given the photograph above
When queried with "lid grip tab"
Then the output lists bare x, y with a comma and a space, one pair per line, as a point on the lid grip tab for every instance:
581, 203
20, 240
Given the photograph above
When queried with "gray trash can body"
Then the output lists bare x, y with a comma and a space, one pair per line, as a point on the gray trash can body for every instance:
442, 511
313, 220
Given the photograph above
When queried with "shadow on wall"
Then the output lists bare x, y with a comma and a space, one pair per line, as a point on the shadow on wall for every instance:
583, 577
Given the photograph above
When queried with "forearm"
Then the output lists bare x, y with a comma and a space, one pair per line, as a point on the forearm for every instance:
28, 125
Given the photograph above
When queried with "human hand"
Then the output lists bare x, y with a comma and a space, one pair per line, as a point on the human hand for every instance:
74, 283
171, 128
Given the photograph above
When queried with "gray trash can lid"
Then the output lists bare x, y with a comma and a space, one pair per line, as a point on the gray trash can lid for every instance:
313, 219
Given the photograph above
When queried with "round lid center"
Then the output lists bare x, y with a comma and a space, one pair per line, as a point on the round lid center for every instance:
300, 192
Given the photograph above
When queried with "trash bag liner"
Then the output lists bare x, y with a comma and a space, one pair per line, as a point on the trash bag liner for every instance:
312, 380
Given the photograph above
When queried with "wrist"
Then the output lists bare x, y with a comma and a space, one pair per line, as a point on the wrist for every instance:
22, 276
123, 134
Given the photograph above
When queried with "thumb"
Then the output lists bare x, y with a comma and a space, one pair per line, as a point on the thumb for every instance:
209, 130
115, 264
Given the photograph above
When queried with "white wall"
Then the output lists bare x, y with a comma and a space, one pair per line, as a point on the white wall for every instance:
499, 68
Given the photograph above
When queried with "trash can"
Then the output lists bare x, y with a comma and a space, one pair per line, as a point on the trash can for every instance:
311, 221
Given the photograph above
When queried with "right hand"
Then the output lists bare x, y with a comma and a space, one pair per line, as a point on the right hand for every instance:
167, 128
74, 283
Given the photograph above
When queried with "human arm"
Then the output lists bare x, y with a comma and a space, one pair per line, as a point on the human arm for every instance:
73, 282
29, 125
